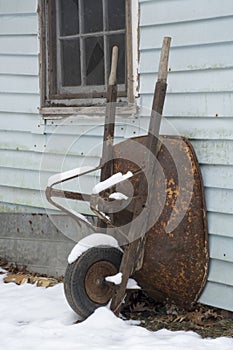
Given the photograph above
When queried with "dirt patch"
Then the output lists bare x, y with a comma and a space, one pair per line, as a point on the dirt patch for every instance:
204, 320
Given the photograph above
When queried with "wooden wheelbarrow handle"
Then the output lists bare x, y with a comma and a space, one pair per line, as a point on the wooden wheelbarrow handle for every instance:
106, 162
107, 152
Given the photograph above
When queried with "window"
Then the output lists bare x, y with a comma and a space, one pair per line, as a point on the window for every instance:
78, 37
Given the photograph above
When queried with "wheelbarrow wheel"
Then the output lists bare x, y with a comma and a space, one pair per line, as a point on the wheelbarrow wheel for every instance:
84, 280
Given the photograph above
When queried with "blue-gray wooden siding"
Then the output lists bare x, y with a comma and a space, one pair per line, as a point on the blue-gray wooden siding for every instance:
21, 128
30, 148
199, 105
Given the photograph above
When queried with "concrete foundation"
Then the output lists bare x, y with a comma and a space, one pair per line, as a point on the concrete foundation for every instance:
32, 240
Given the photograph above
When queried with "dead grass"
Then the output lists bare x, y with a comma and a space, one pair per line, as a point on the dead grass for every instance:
204, 320
22, 275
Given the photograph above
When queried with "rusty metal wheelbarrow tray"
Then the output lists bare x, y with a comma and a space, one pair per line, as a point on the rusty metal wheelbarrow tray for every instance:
175, 259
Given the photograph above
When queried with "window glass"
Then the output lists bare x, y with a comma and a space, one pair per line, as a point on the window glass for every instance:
94, 61
70, 62
81, 34
116, 14
93, 16
69, 19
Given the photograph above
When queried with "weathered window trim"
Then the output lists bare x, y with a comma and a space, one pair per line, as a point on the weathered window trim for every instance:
61, 103
61, 112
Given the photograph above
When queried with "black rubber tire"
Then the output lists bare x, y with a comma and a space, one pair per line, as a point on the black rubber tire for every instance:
75, 278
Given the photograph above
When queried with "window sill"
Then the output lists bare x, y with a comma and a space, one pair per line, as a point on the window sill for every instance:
63, 112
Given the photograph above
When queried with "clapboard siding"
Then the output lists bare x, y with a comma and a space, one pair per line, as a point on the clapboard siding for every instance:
28, 122
32, 179
21, 127
211, 80
34, 199
199, 106
15, 208
194, 104
165, 14
79, 127
219, 295
21, 140
221, 249
19, 178
219, 200
186, 58
220, 224
19, 44
188, 33
19, 160
28, 160
74, 144
21, 196
50, 162
19, 24
217, 176
19, 65
201, 128
214, 151
219, 272
18, 6
20, 102
19, 84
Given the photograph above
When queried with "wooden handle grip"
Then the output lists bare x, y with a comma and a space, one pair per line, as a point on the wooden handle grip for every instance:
112, 76
163, 64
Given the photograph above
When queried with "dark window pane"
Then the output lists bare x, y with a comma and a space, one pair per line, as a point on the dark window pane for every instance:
116, 14
118, 40
69, 17
94, 61
93, 16
70, 65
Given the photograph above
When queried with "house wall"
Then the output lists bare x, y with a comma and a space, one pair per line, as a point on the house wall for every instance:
21, 128
199, 106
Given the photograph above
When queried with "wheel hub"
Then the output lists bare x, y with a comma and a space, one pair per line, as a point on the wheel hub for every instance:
96, 289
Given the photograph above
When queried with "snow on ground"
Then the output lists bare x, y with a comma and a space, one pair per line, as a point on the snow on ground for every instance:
34, 318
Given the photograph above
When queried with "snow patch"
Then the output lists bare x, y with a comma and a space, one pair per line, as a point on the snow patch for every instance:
111, 181
39, 318
132, 284
116, 279
93, 240
67, 175
105, 216
118, 196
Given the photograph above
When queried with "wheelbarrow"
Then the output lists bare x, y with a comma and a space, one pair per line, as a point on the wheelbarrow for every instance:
151, 215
